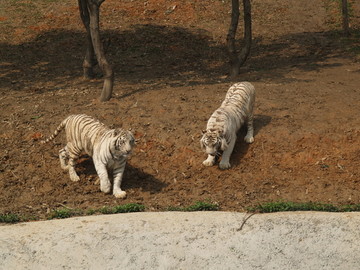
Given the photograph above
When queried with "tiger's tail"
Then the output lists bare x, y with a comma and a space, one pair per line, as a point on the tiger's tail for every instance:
56, 132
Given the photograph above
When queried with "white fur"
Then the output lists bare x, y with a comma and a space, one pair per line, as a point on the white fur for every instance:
224, 123
109, 149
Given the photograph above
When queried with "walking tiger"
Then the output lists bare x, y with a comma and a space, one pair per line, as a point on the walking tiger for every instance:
109, 149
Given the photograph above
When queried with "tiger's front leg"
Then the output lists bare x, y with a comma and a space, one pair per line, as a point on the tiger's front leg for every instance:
64, 158
105, 184
118, 174
225, 159
210, 161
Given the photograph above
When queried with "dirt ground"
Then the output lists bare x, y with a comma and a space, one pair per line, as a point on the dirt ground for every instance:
171, 70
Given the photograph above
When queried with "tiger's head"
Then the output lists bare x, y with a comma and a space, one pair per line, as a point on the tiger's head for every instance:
122, 143
212, 142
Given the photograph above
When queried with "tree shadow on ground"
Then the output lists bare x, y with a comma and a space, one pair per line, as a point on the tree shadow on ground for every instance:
306, 51
144, 54
152, 54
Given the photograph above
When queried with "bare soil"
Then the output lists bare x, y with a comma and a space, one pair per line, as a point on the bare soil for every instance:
171, 74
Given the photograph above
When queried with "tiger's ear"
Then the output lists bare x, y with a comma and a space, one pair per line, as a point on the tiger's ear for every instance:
116, 132
223, 143
132, 138
220, 133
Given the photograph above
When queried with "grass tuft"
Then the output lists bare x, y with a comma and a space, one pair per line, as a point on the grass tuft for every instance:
63, 213
106, 210
197, 206
90, 212
9, 218
203, 206
129, 208
272, 207
125, 208
174, 208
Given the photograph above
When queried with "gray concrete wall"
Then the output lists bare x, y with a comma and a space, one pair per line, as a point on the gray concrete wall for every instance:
175, 240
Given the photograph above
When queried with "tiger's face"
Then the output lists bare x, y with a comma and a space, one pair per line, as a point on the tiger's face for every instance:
123, 144
212, 142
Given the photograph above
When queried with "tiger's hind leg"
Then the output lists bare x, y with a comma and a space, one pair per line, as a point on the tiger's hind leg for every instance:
64, 157
73, 175
249, 138
73, 154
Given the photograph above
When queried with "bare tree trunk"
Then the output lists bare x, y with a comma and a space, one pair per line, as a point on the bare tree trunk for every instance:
89, 12
230, 39
345, 17
90, 60
247, 33
236, 61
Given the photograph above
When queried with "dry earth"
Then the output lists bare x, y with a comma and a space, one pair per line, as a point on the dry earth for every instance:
171, 74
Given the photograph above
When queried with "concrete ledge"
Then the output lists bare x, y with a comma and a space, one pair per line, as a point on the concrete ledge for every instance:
177, 240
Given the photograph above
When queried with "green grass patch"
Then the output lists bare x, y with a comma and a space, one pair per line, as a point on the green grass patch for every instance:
64, 213
272, 207
125, 208
90, 212
9, 218
129, 208
350, 208
106, 210
197, 206
203, 206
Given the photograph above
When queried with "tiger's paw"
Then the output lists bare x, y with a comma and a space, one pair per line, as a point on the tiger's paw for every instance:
74, 177
120, 194
249, 139
208, 163
224, 165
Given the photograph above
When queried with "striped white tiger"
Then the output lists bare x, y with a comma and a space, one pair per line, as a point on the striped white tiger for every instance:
224, 123
109, 149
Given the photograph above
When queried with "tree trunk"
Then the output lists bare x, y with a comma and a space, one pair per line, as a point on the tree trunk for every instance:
230, 39
89, 12
90, 60
236, 61
247, 33
345, 17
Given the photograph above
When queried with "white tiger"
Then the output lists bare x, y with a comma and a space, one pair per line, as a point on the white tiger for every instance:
224, 123
109, 149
